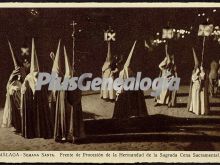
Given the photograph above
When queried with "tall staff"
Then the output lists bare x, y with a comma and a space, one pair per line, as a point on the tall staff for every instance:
167, 34
203, 49
204, 31
109, 36
73, 24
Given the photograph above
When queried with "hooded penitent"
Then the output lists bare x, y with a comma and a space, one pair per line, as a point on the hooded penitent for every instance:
198, 101
11, 115
130, 103
196, 65
167, 72
56, 69
69, 124
36, 117
108, 72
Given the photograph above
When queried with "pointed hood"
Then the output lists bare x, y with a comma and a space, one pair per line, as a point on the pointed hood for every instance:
196, 61
125, 70
34, 60
128, 61
13, 56
57, 63
68, 68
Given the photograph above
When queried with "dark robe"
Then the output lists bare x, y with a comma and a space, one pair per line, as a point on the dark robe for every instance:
52, 106
69, 125
36, 117
16, 110
130, 104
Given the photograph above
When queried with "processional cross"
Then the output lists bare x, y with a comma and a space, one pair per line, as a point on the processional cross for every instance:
73, 24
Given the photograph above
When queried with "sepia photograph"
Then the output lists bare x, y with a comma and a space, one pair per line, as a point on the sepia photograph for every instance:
110, 78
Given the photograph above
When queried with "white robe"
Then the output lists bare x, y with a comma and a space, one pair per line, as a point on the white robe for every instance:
107, 73
13, 87
165, 96
198, 97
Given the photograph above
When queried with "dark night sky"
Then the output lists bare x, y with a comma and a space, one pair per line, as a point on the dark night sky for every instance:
19, 26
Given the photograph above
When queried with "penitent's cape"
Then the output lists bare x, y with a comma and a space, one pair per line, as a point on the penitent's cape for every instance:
56, 69
36, 117
69, 125
36, 121
129, 103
